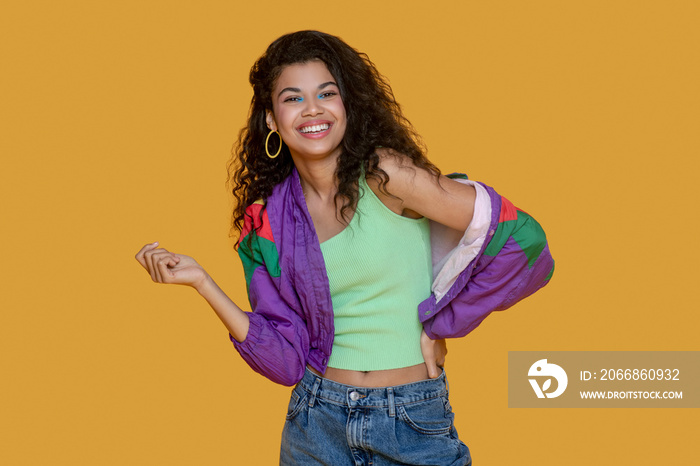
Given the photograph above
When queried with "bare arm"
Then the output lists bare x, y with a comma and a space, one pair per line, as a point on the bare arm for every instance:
167, 267
415, 192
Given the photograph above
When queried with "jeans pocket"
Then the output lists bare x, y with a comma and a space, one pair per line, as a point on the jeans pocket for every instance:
296, 403
427, 417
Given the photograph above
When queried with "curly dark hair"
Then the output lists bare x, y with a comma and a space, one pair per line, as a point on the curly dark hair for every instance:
374, 119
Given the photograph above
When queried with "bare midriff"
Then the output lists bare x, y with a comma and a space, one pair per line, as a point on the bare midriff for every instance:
383, 378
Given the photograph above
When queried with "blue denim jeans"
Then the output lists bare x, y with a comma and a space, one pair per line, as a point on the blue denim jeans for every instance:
335, 424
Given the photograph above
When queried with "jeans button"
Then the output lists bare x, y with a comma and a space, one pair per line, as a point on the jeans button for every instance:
354, 396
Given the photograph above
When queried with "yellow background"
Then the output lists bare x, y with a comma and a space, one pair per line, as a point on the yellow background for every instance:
117, 120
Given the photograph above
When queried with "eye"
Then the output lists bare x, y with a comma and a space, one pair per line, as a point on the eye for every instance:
327, 94
294, 99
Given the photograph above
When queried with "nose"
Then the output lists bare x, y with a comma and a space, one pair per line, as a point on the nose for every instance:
311, 108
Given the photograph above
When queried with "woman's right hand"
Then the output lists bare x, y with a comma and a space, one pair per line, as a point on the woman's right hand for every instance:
167, 267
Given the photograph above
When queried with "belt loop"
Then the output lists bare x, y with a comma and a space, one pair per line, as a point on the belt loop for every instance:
317, 383
390, 397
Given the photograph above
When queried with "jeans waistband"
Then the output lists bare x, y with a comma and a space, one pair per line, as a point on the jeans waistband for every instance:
372, 397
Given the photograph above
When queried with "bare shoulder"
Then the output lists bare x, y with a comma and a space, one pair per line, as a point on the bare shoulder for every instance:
414, 192
398, 165
402, 174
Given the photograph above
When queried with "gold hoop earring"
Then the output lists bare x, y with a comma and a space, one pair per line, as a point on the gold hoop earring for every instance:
278, 150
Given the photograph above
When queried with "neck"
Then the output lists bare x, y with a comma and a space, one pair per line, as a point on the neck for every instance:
317, 177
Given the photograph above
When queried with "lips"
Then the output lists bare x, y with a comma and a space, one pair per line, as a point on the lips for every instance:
316, 128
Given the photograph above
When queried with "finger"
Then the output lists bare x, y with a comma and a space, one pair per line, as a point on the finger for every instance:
142, 251
148, 258
432, 368
151, 257
170, 260
442, 344
427, 347
157, 260
160, 263
166, 275
152, 260
430, 361
165, 262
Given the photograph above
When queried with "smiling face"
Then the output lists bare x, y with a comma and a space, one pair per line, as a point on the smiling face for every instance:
308, 111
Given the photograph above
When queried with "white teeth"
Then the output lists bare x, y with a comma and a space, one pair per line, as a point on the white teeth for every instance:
315, 128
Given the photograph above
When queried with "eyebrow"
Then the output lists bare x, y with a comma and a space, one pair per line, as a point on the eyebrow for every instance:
296, 89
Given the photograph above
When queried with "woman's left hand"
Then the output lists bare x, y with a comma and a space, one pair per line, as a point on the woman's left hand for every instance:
434, 352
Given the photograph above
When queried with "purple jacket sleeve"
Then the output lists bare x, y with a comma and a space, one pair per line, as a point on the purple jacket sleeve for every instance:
277, 343
514, 263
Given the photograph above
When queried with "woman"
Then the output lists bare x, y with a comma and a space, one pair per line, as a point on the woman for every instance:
360, 258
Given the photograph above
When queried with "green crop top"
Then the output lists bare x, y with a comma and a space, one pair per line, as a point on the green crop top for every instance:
379, 269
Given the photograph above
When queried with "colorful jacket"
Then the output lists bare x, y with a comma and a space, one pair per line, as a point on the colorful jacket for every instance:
501, 258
